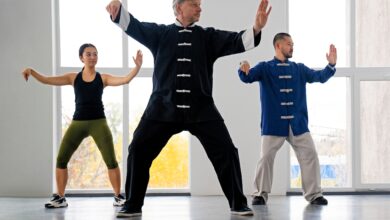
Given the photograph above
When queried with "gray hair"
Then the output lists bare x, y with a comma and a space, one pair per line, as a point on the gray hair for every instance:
174, 3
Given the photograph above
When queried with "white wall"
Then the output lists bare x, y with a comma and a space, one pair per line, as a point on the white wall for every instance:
26, 112
26, 108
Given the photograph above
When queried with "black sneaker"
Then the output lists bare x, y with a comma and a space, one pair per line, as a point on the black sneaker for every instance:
245, 211
319, 201
119, 200
56, 202
126, 212
258, 200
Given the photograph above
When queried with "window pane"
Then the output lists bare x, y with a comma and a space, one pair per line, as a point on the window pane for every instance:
372, 31
86, 168
87, 21
330, 132
161, 13
374, 126
314, 25
171, 168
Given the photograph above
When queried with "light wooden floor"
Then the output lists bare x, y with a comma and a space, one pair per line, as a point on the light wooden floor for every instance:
356, 207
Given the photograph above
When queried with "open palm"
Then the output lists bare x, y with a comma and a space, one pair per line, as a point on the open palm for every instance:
332, 55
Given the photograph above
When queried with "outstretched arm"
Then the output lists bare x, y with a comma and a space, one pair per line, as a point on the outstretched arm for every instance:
332, 55
147, 33
110, 80
324, 74
65, 79
248, 74
261, 16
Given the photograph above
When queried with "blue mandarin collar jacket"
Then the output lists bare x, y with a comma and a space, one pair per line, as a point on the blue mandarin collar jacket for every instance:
283, 94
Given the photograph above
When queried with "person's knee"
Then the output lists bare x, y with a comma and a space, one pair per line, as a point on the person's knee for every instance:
135, 148
112, 165
270, 155
62, 163
310, 154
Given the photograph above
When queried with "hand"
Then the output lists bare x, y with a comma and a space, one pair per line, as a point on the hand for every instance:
261, 16
244, 67
332, 55
138, 59
113, 9
26, 73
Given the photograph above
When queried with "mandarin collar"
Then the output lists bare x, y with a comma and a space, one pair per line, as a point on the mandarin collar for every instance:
279, 61
177, 23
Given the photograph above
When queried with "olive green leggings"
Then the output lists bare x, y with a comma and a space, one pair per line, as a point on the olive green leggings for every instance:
77, 131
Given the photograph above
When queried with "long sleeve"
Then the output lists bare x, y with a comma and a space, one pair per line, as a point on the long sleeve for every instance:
276, 104
317, 75
148, 34
255, 74
183, 65
283, 94
227, 42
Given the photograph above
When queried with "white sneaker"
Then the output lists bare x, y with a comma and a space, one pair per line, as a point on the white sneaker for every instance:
119, 200
56, 202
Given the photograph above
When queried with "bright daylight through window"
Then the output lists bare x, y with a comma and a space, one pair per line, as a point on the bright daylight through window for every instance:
328, 115
87, 170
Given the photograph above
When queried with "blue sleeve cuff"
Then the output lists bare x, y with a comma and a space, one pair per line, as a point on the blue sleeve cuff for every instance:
333, 67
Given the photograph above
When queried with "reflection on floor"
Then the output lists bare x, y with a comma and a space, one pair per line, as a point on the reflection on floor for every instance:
354, 207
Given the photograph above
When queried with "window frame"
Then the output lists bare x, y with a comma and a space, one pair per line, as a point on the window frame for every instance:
123, 70
355, 75
366, 74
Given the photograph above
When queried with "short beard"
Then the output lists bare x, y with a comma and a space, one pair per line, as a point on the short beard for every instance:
287, 55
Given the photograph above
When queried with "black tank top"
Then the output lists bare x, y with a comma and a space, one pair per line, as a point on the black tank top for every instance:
88, 98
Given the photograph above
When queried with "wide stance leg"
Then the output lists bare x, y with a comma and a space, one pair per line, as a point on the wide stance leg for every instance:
306, 153
148, 140
264, 169
114, 176
101, 133
222, 153
73, 136
61, 180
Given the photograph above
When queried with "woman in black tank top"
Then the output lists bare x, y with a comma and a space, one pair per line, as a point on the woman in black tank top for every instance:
88, 118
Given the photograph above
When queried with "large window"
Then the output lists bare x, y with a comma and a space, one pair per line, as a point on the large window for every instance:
86, 21
375, 138
328, 124
352, 144
314, 25
372, 46
90, 23
312, 32
372, 31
